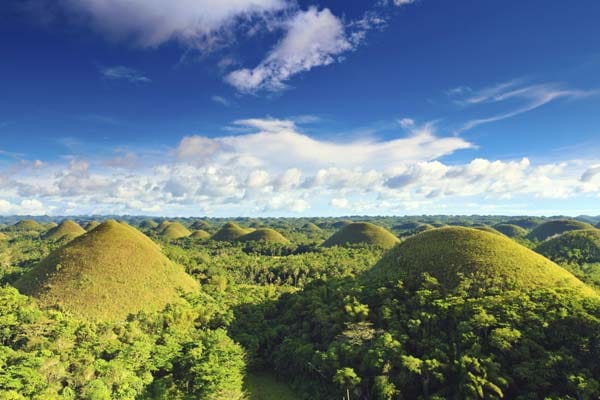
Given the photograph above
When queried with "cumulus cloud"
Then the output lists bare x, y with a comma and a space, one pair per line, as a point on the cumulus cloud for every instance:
314, 38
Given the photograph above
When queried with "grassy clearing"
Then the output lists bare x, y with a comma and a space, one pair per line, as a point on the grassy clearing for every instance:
264, 386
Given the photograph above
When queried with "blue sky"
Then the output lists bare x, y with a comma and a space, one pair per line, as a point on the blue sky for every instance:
284, 107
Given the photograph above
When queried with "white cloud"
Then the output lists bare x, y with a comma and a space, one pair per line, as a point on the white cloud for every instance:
124, 73
314, 38
25, 207
221, 100
202, 24
340, 203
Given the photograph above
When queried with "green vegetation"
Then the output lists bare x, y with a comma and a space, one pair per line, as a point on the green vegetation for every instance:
510, 230
230, 232
362, 233
175, 230
264, 235
488, 229
201, 226
200, 234
28, 225
557, 227
148, 224
455, 254
91, 225
106, 274
527, 223
3, 236
67, 230
162, 226
264, 386
575, 247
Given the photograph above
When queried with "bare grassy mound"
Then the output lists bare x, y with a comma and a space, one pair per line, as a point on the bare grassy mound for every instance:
28, 225
175, 231
230, 232
91, 225
200, 234
107, 274
67, 229
455, 254
201, 226
557, 227
362, 232
264, 235
510, 230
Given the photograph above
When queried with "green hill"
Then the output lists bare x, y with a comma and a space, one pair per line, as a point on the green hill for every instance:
91, 225
28, 225
163, 225
341, 224
201, 225
486, 228
148, 224
230, 232
557, 227
490, 260
510, 230
106, 274
200, 234
575, 247
50, 225
526, 222
264, 235
311, 228
175, 231
67, 229
362, 232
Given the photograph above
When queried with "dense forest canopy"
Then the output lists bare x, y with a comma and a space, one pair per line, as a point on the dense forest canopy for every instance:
461, 307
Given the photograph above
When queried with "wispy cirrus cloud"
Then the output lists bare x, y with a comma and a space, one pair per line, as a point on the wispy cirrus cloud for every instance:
121, 72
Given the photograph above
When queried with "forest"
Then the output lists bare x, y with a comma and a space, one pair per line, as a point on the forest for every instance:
373, 308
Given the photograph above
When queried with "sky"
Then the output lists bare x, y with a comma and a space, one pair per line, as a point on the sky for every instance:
299, 108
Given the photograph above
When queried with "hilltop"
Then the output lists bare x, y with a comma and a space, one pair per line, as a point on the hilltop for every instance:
264, 235
91, 225
200, 234
578, 247
27, 225
67, 229
201, 226
362, 232
510, 230
230, 232
490, 260
174, 230
106, 274
556, 227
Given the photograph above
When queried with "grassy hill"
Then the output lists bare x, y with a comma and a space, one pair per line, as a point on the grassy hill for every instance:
28, 225
175, 230
91, 225
163, 225
148, 224
510, 230
264, 235
201, 225
311, 228
200, 234
67, 229
575, 247
107, 274
527, 223
341, 224
557, 227
230, 232
489, 260
362, 232
486, 228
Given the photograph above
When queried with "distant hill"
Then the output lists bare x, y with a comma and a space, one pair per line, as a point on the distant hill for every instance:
200, 234
107, 274
556, 227
201, 225
148, 224
311, 228
28, 225
362, 232
67, 229
174, 230
91, 225
264, 235
230, 232
163, 225
510, 230
486, 228
454, 254
341, 224
575, 247
526, 222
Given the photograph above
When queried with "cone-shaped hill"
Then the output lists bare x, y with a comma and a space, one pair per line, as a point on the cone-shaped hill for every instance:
27, 225
163, 225
341, 224
486, 228
106, 274
557, 227
66, 230
510, 230
264, 235
577, 247
200, 235
148, 224
311, 228
201, 226
91, 225
175, 230
230, 232
362, 232
488, 260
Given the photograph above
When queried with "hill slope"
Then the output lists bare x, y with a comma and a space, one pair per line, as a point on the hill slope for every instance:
91, 225
175, 231
557, 227
577, 247
510, 230
28, 225
489, 260
200, 234
3, 236
264, 235
66, 229
230, 232
107, 274
362, 232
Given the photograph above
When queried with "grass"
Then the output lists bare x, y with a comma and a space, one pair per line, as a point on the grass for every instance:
28, 225
148, 224
200, 234
230, 232
311, 228
264, 235
575, 247
107, 274
175, 230
510, 230
67, 229
201, 225
557, 227
486, 228
264, 386
91, 225
362, 232
3, 236
489, 260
